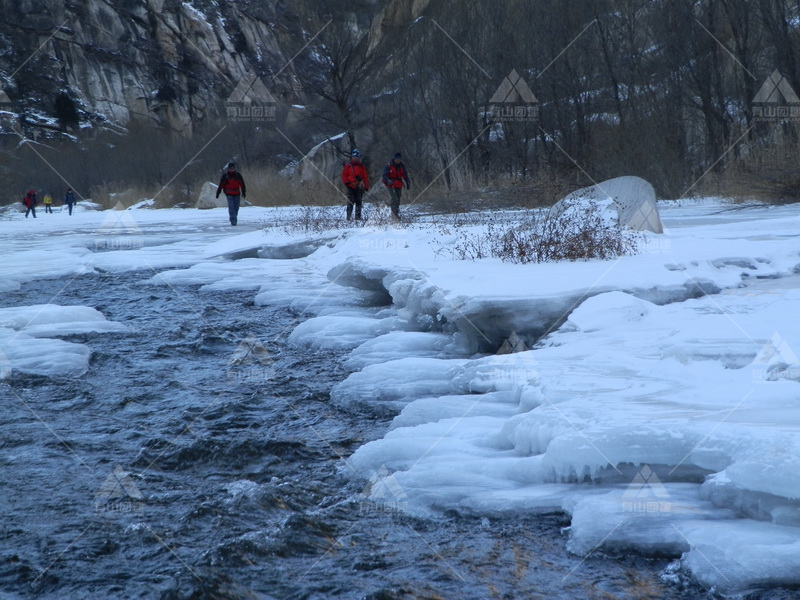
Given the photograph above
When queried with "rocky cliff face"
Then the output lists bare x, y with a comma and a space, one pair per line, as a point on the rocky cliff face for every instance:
67, 64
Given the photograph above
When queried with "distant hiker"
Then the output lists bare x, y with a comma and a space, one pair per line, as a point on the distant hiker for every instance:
394, 175
48, 203
30, 203
356, 179
69, 199
232, 183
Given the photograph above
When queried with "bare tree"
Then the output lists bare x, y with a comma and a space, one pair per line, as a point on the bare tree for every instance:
334, 69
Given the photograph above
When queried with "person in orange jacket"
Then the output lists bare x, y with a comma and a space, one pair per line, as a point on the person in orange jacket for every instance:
356, 180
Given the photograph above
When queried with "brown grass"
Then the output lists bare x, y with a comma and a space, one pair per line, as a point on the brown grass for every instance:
265, 187
768, 174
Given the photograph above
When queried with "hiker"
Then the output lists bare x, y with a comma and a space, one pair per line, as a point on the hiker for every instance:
356, 179
30, 203
69, 199
394, 175
48, 203
232, 183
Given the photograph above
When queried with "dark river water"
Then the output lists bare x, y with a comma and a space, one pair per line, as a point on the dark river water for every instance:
182, 467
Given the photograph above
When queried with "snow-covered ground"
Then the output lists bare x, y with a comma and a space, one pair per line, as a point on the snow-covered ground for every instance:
659, 406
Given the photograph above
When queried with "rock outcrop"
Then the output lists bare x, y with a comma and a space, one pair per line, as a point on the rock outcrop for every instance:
112, 63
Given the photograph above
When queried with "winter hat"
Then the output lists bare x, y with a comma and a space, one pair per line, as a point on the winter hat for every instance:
397, 155
356, 153
231, 166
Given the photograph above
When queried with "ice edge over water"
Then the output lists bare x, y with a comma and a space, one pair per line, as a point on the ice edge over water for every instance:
640, 378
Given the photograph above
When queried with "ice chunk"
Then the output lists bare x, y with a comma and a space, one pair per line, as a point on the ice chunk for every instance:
342, 332
386, 388
51, 320
401, 344
50, 358
612, 310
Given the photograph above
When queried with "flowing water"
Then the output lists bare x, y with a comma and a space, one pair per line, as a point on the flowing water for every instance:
174, 469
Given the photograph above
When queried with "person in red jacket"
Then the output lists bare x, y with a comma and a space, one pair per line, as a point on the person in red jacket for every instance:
232, 183
356, 180
394, 175
30, 203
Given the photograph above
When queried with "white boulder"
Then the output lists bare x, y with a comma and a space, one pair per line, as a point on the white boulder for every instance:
631, 199
207, 197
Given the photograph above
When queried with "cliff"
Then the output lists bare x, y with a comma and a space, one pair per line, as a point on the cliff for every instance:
68, 65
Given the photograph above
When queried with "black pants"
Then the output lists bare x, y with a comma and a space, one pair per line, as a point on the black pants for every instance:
395, 201
32, 209
48, 208
354, 198
69, 205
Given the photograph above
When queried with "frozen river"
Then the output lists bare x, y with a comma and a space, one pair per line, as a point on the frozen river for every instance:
197, 411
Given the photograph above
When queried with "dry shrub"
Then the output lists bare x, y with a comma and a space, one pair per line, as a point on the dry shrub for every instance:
317, 219
578, 233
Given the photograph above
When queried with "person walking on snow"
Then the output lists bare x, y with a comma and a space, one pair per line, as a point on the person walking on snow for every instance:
232, 183
356, 180
30, 203
48, 203
69, 199
394, 175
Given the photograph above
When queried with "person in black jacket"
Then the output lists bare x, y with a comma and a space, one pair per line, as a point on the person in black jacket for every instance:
232, 183
69, 199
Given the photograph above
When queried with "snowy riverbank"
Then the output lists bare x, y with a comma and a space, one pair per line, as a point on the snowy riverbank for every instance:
663, 419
